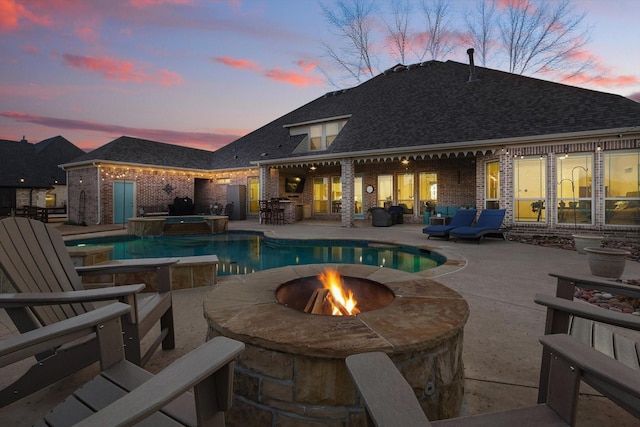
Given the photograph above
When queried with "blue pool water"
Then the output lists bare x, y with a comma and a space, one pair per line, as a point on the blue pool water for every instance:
242, 253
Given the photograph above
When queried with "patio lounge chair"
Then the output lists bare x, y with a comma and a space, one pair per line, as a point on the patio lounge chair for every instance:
374, 374
462, 218
380, 217
125, 394
36, 263
488, 223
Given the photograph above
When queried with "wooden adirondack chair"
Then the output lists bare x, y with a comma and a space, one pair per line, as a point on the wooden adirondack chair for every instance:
585, 322
390, 401
576, 347
123, 393
36, 263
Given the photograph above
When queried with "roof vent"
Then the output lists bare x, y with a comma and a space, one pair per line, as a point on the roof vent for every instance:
472, 68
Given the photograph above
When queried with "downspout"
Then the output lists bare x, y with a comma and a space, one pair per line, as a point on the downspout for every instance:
99, 181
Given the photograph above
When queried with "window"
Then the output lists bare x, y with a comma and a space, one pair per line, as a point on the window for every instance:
320, 195
315, 137
50, 200
321, 136
575, 204
492, 185
622, 187
428, 187
358, 184
530, 192
385, 190
405, 191
331, 132
336, 194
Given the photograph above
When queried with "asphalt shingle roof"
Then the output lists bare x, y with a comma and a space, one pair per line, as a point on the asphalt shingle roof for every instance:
141, 151
434, 103
37, 163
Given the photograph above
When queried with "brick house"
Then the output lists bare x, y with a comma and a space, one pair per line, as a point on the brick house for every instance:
556, 157
30, 176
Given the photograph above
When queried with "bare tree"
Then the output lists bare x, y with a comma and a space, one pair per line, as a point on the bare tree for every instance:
398, 29
351, 21
438, 30
542, 38
521, 36
480, 25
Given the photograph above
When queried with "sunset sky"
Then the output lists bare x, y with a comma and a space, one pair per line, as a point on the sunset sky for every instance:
203, 73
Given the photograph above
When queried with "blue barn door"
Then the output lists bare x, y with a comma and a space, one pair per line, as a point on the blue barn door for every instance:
122, 202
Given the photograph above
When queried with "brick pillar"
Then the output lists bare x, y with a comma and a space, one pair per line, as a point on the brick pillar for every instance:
348, 206
269, 182
264, 182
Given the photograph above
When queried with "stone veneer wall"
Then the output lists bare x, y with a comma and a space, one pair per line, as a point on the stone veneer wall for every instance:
279, 389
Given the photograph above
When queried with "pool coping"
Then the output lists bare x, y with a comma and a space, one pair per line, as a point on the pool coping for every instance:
453, 263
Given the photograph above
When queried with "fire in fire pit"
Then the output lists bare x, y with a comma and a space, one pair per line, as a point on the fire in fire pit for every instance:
329, 293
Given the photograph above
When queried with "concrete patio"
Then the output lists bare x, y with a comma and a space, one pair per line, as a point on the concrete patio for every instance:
497, 278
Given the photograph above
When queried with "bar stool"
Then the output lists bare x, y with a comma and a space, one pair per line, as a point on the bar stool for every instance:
264, 212
277, 213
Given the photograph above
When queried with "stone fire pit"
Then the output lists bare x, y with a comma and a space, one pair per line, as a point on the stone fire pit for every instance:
292, 371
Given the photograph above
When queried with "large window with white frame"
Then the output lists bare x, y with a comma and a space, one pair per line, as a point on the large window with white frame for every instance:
492, 185
322, 135
336, 194
530, 189
320, 195
405, 191
622, 187
385, 190
574, 195
428, 190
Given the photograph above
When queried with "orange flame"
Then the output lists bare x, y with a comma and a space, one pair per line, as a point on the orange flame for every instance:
340, 297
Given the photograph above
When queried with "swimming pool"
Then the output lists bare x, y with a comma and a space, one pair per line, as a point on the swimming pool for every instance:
247, 252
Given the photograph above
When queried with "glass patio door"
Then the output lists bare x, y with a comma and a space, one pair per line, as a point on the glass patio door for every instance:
358, 196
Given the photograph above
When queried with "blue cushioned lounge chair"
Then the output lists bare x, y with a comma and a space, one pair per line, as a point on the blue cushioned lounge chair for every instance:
462, 218
489, 222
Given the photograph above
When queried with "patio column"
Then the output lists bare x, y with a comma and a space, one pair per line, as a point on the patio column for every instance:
348, 205
269, 179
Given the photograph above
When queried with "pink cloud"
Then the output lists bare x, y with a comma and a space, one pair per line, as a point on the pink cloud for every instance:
32, 90
147, 3
307, 66
125, 71
12, 13
292, 77
601, 80
87, 35
286, 76
204, 140
31, 50
244, 64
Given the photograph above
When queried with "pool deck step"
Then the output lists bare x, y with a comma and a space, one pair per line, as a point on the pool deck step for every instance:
178, 228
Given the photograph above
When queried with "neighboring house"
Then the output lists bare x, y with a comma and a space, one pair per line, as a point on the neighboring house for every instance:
556, 157
30, 175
